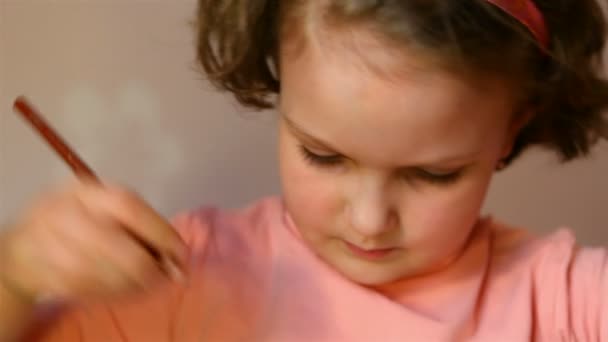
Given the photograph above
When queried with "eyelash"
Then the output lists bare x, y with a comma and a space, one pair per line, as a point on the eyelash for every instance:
443, 179
317, 160
334, 160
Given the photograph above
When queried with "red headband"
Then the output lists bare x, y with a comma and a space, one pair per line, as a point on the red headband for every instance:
526, 12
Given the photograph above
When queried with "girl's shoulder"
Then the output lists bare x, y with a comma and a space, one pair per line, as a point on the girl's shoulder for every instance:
230, 228
556, 250
566, 283
211, 215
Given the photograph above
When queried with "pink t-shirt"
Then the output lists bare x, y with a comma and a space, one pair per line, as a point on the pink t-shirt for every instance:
253, 279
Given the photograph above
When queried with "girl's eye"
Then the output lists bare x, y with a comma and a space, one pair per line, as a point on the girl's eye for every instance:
320, 160
437, 178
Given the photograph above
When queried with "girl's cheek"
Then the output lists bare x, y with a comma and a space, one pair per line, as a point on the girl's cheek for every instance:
444, 218
316, 194
310, 193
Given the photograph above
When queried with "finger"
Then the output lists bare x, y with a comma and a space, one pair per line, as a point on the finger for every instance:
22, 262
70, 244
67, 270
140, 219
119, 250
83, 272
133, 261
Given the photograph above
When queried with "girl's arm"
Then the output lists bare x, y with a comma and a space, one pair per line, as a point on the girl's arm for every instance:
589, 294
16, 314
16, 308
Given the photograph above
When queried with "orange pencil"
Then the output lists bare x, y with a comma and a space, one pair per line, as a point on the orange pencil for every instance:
54, 140
79, 167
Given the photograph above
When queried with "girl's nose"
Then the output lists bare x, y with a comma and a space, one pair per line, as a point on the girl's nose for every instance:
370, 211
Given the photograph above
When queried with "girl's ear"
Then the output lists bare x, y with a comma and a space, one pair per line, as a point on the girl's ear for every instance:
517, 124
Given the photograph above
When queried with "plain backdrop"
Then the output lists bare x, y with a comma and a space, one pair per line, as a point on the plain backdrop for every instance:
118, 79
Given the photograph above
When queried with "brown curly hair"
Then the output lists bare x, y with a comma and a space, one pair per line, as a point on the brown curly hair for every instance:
238, 41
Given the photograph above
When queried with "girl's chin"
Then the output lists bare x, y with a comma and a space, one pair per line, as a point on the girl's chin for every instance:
372, 277
367, 273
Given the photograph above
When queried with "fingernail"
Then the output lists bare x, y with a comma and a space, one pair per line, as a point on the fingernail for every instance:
174, 272
183, 253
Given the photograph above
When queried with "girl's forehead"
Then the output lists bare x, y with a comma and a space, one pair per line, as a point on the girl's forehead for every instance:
331, 94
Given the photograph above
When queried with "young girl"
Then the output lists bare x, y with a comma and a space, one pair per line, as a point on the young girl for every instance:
394, 116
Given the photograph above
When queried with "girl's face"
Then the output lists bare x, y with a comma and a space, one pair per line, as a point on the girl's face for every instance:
385, 160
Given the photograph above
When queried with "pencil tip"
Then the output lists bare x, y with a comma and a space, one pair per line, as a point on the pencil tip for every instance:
19, 101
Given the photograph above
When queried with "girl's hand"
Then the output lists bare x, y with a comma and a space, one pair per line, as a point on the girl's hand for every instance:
88, 241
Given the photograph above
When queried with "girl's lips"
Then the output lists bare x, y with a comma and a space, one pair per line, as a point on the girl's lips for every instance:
371, 254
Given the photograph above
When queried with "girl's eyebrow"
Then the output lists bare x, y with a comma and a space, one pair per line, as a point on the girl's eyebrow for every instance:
317, 141
299, 131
